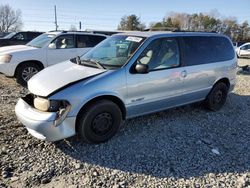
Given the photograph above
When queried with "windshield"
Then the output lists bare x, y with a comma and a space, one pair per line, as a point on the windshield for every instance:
114, 51
9, 35
41, 40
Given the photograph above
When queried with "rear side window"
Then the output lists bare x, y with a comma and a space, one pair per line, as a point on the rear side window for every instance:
32, 35
86, 41
202, 50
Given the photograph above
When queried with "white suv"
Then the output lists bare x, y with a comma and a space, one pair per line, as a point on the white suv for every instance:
23, 61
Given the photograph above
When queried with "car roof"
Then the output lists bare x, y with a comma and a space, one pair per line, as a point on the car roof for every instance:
167, 33
74, 32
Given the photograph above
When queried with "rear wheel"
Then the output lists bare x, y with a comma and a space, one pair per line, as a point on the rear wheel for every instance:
99, 122
217, 97
25, 71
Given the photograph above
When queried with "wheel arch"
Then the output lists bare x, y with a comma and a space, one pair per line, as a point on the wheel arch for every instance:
224, 80
112, 98
29, 61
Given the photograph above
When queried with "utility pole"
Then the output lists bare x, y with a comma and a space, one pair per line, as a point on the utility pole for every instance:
80, 25
55, 18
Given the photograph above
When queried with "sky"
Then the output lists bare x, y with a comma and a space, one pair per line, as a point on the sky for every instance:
106, 15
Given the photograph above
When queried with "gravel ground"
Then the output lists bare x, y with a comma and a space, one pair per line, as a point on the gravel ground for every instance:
181, 147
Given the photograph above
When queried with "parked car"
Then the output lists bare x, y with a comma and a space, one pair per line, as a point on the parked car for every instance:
23, 61
125, 76
243, 50
18, 38
237, 44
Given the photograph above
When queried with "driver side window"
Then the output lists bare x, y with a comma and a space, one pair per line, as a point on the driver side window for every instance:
63, 42
19, 36
161, 54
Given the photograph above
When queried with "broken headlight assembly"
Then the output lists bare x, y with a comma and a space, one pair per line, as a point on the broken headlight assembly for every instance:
61, 107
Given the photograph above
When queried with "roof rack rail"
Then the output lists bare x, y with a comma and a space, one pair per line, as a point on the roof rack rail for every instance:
178, 30
65, 31
174, 29
55, 31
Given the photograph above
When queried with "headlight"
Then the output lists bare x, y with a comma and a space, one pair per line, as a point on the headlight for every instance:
5, 58
62, 108
41, 104
49, 105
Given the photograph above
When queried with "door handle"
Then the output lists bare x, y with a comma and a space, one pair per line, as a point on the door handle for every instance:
184, 74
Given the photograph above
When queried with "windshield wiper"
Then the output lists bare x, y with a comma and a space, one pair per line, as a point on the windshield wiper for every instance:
92, 61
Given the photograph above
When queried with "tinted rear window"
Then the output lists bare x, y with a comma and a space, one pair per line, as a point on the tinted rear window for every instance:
84, 41
203, 50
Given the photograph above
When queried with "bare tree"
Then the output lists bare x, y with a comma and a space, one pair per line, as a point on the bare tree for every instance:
10, 20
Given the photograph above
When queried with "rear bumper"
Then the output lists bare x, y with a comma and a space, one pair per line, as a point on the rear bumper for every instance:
41, 124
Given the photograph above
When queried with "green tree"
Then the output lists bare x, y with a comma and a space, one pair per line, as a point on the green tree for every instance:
131, 22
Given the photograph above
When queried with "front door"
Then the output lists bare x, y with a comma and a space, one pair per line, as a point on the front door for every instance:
61, 49
161, 87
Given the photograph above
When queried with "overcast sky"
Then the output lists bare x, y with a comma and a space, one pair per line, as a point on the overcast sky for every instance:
98, 14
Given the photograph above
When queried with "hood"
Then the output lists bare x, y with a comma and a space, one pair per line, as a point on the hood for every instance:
15, 48
58, 76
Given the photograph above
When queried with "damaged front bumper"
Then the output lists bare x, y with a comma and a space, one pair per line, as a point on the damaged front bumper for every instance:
41, 124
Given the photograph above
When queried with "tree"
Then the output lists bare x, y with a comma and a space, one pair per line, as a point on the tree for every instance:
205, 22
131, 22
10, 20
72, 28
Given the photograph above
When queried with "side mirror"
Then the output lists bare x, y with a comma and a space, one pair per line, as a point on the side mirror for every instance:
52, 46
141, 68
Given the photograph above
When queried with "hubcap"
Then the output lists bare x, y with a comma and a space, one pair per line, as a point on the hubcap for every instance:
102, 123
28, 72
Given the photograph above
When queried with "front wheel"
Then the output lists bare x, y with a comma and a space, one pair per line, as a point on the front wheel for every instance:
99, 122
217, 97
25, 71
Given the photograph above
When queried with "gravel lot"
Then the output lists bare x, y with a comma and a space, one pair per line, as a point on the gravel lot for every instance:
181, 147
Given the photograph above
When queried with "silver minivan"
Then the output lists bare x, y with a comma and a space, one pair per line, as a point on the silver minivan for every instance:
127, 75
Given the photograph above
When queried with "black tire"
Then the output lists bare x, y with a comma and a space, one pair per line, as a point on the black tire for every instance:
25, 71
99, 122
217, 97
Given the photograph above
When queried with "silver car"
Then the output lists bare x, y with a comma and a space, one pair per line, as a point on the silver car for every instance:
127, 75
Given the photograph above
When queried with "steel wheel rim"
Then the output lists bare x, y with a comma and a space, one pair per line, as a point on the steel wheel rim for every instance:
102, 124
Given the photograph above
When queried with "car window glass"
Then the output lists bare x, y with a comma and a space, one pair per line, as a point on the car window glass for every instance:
20, 36
32, 35
64, 42
246, 47
161, 54
86, 41
207, 49
115, 51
